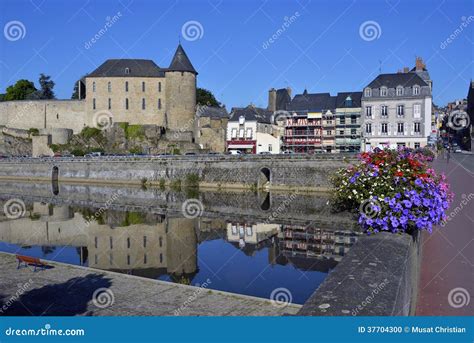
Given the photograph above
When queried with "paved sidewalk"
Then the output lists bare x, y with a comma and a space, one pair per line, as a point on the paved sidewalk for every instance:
447, 273
67, 290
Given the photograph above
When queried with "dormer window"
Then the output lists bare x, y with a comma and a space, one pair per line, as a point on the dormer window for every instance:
127, 71
383, 91
348, 102
416, 90
399, 91
241, 120
368, 92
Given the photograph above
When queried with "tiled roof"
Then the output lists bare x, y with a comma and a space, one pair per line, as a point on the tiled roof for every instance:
397, 79
355, 97
181, 61
212, 112
310, 102
136, 68
251, 113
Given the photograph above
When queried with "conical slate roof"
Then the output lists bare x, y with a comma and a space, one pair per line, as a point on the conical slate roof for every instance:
181, 61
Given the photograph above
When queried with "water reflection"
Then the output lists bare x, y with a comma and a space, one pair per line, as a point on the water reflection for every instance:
245, 256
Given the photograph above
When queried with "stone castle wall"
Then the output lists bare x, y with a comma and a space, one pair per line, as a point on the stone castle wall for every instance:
168, 102
40, 114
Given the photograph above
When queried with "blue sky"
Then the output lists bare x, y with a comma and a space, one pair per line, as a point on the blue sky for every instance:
321, 47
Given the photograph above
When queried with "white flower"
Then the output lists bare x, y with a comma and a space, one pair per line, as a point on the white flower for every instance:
354, 191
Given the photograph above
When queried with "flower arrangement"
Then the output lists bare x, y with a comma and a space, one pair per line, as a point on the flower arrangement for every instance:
393, 190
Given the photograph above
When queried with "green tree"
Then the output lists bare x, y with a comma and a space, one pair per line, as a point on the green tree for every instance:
205, 97
47, 85
21, 90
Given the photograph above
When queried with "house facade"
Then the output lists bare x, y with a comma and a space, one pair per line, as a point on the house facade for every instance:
250, 130
397, 109
319, 122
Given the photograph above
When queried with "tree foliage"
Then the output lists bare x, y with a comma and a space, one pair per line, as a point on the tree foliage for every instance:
206, 98
21, 90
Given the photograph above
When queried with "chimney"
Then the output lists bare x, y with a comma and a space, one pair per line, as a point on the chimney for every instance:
419, 65
272, 100
406, 69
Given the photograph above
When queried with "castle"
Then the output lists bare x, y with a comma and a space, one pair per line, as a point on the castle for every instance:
135, 91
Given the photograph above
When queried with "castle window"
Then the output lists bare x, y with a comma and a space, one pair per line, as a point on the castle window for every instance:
159, 86
110, 103
143, 104
126, 86
144, 241
93, 104
383, 91
93, 86
416, 90
368, 92
399, 91
127, 71
57, 116
159, 104
143, 86
109, 87
126, 103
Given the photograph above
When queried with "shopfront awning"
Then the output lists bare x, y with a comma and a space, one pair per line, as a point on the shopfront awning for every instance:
240, 146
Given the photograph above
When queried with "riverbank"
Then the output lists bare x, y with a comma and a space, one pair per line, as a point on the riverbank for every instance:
69, 290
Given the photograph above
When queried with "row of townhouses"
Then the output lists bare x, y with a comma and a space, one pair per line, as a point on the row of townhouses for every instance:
393, 110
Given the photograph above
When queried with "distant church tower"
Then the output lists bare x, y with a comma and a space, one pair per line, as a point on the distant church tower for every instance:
180, 92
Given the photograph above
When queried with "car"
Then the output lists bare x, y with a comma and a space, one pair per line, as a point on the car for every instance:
264, 153
235, 152
213, 153
287, 152
190, 154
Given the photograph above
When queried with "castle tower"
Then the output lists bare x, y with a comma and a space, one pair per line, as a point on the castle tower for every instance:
180, 92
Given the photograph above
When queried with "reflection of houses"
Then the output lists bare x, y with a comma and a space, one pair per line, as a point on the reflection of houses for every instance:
245, 233
302, 241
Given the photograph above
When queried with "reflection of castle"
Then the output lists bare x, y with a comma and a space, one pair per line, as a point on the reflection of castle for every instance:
305, 241
124, 243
